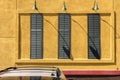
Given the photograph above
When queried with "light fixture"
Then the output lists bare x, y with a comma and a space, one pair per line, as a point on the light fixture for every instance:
95, 8
34, 6
64, 6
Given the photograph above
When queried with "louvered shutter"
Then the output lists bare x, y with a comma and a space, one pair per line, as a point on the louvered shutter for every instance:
36, 36
94, 36
64, 36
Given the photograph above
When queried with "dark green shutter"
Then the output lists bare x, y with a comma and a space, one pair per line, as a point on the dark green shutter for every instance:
94, 36
36, 36
64, 36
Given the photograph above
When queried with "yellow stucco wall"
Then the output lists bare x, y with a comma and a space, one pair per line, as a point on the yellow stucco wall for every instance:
15, 33
7, 33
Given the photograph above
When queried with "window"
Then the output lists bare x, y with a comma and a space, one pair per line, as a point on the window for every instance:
36, 36
64, 36
94, 36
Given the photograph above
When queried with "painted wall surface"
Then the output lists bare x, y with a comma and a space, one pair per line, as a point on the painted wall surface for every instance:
7, 33
15, 33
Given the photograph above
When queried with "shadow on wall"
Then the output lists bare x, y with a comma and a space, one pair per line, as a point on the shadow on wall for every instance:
65, 48
93, 49
117, 34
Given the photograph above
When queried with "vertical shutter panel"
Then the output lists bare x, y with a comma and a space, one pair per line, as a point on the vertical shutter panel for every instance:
64, 36
36, 36
94, 36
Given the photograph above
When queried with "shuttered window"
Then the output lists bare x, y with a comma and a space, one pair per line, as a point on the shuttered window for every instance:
64, 36
94, 36
36, 36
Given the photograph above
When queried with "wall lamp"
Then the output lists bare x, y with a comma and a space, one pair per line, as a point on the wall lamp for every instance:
64, 6
95, 7
35, 6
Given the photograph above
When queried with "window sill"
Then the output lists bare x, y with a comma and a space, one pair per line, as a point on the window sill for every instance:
64, 61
